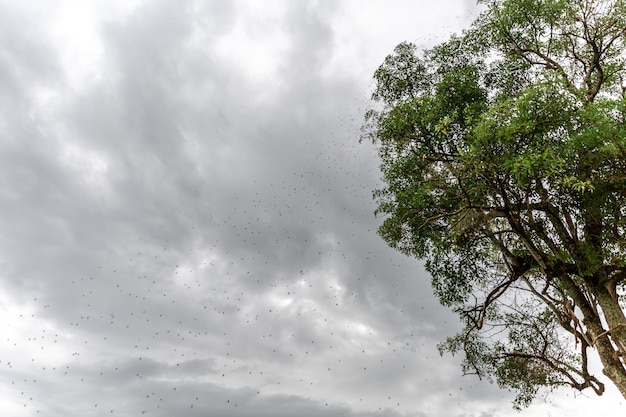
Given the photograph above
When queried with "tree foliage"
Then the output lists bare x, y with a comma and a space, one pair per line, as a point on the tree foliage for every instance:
503, 152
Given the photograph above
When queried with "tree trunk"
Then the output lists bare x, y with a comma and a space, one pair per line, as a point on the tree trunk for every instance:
611, 343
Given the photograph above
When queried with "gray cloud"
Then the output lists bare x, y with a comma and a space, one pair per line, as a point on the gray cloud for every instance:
180, 237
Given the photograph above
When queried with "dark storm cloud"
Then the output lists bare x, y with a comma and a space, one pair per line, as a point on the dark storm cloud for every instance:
171, 214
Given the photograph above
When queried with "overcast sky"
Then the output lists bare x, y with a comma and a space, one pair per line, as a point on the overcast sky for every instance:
186, 222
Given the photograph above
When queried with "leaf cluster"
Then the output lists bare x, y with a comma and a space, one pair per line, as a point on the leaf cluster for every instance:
503, 152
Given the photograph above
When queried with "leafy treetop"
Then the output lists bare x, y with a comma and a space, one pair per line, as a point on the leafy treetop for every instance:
503, 152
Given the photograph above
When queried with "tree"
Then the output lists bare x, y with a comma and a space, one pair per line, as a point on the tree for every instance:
503, 154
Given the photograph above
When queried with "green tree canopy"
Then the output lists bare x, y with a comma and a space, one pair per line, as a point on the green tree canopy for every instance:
503, 152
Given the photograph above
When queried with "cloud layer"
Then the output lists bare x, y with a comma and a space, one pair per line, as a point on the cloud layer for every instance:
187, 225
